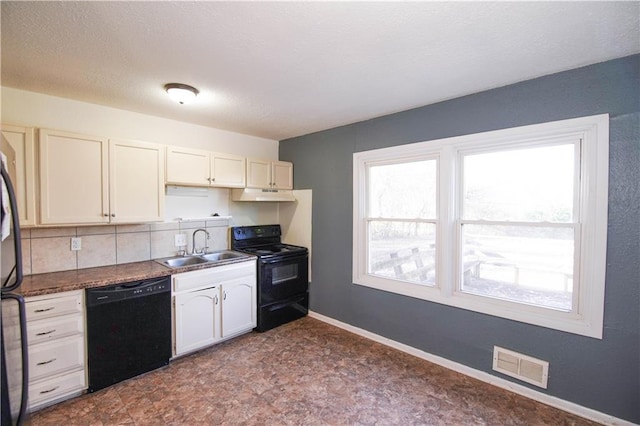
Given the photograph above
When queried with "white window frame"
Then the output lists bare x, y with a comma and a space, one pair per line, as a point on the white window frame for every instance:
587, 315
368, 220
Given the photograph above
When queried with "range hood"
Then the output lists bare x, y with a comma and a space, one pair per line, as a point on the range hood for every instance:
255, 194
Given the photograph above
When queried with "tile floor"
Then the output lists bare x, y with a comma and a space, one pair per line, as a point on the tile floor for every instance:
303, 373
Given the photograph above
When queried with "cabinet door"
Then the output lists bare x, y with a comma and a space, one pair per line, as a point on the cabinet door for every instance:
238, 306
197, 316
187, 166
258, 173
282, 175
227, 170
136, 181
22, 169
73, 178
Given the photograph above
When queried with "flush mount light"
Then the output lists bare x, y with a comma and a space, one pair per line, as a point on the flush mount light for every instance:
181, 93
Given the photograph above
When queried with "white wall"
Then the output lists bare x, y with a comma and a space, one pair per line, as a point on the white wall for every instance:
37, 110
296, 220
32, 109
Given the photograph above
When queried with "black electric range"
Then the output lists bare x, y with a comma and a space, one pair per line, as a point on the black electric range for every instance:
283, 274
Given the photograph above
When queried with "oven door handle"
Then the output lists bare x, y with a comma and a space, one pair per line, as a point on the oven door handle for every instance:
285, 259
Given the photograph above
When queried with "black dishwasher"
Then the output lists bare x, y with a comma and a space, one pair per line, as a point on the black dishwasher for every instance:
128, 330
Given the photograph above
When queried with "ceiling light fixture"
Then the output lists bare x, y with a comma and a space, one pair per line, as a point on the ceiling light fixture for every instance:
181, 93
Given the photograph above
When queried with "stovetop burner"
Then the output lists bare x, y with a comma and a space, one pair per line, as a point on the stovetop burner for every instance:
263, 241
280, 249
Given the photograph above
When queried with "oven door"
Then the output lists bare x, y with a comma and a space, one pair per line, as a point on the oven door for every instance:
282, 278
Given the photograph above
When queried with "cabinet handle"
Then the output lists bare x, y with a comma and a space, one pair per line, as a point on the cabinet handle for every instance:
37, 311
224, 295
49, 390
209, 179
113, 215
216, 299
44, 333
46, 362
105, 214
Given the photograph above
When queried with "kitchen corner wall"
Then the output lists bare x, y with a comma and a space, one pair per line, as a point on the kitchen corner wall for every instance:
49, 249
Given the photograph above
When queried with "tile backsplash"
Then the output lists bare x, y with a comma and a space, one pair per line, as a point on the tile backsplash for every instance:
49, 249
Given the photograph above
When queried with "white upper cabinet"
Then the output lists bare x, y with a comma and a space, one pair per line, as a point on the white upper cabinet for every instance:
187, 166
266, 174
228, 170
136, 181
258, 173
74, 178
282, 175
87, 179
18, 144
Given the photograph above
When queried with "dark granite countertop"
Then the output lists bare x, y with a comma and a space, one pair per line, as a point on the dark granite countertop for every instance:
57, 282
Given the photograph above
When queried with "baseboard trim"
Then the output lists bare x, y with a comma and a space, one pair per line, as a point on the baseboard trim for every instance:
553, 401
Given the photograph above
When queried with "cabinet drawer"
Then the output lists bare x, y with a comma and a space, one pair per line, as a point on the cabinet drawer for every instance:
194, 280
60, 355
54, 306
204, 278
48, 390
54, 328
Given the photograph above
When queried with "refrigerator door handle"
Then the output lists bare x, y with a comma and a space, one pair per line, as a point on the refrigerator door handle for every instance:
25, 356
22, 414
15, 220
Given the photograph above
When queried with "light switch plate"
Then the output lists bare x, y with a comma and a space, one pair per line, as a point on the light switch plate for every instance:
180, 240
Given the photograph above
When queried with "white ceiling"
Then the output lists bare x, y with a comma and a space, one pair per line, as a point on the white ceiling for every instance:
283, 69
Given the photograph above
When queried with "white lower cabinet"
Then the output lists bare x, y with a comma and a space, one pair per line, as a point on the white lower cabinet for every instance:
197, 319
57, 350
239, 306
211, 305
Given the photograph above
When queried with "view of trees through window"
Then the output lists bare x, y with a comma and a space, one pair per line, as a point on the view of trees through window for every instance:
402, 210
516, 224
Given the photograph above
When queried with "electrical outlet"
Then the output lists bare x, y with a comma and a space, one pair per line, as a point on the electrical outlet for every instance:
76, 243
180, 240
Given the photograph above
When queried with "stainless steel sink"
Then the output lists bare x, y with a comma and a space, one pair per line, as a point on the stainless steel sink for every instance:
212, 258
216, 257
177, 262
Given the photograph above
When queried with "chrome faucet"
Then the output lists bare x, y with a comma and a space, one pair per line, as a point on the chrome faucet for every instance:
204, 249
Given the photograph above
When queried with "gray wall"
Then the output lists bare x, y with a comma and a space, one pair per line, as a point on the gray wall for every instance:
600, 374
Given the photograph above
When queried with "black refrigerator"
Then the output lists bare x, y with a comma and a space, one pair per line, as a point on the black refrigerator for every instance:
13, 328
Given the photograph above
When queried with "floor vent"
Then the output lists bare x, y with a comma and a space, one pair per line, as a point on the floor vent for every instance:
522, 367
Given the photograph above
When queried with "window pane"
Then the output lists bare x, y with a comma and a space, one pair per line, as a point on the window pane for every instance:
528, 185
406, 190
403, 251
525, 264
